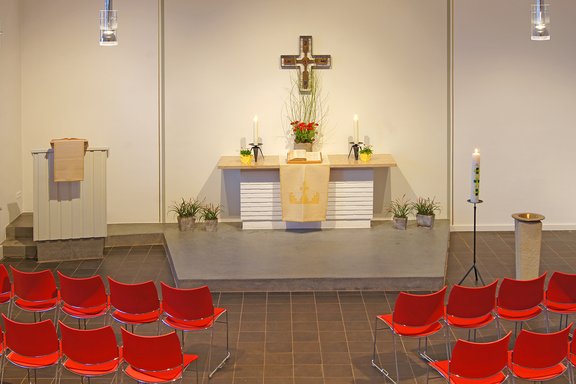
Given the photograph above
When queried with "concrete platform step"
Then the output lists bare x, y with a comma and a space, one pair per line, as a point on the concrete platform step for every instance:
24, 248
21, 227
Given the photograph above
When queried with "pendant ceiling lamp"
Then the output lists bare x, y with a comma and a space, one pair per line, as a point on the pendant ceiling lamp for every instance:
108, 25
540, 21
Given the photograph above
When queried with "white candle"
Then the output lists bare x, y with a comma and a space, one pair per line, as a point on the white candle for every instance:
356, 131
255, 130
475, 186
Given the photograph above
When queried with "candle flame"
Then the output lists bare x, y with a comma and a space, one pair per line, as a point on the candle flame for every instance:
476, 151
255, 118
355, 117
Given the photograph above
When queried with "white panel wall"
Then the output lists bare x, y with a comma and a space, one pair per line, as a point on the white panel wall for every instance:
514, 99
10, 159
72, 87
222, 68
70, 210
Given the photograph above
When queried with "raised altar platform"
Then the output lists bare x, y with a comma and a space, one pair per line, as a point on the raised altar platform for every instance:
350, 192
379, 258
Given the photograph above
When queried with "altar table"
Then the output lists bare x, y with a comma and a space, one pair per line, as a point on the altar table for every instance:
350, 192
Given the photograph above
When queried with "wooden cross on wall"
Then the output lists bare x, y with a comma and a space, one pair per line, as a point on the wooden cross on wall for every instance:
305, 63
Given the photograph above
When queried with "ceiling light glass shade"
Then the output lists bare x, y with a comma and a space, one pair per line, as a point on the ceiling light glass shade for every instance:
540, 21
108, 27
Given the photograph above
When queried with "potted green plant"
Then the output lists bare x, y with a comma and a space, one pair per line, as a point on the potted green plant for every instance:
366, 153
186, 211
210, 213
400, 208
425, 209
245, 156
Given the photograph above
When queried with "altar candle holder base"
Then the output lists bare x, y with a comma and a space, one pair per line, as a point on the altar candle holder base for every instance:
356, 148
474, 267
256, 148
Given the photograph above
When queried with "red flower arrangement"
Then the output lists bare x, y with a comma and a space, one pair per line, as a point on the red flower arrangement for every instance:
304, 132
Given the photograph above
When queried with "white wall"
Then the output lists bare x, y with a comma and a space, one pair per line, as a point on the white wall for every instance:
10, 164
514, 100
72, 87
222, 68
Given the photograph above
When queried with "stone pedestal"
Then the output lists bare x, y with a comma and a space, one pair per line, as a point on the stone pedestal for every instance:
528, 237
72, 249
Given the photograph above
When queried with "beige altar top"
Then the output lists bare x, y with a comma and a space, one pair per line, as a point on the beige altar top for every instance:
336, 161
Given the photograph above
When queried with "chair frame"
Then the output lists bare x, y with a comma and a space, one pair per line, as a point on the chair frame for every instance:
215, 319
422, 353
556, 306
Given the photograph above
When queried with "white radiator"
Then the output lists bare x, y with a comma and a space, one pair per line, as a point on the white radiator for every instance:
70, 210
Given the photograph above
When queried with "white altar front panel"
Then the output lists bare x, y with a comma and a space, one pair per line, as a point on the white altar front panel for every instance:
350, 200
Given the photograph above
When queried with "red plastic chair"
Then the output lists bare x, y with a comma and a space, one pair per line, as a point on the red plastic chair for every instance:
83, 298
561, 295
540, 356
90, 353
35, 292
5, 287
31, 345
479, 363
135, 304
193, 310
417, 316
472, 307
155, 359
521, 300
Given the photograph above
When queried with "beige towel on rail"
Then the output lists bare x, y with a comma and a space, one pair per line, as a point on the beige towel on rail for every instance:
69, 159
304, 191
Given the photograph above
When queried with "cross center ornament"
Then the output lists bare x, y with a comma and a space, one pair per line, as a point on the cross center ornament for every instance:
305, 63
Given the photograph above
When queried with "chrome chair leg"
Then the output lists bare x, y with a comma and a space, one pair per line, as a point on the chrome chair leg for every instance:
380, 369
227, 348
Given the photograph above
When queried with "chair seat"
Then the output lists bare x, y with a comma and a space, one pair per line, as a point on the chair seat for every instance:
92, 369
161, 376
37, 306
410, 331
535, 374
476, 322
33, 362
194, 325
128, 318
5, 297
442, 368
563, 308
519, 315
85, 313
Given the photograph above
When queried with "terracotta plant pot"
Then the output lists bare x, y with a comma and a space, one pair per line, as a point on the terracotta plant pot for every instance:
305, 146
211, 225
426, 221
186, 223
400, 222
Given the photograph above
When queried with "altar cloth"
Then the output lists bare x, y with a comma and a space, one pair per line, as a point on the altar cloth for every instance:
304, 191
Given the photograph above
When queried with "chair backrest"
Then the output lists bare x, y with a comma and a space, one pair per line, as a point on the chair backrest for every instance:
518, 295
479, 360
92, 346
136, 298
562, 288
31, 339
152, 353
86, 292
34, 286
5, 285
187, 304
471, 302
419, 310
541, 350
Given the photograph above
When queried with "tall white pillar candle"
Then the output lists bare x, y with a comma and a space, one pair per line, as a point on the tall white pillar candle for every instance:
356, 131
475, 186
255, 131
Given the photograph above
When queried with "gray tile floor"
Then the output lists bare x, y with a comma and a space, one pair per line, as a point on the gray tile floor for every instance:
310, 337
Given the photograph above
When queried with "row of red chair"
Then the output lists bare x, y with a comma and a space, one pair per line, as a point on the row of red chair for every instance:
185, 310
535, 357
94, 353
470, 308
